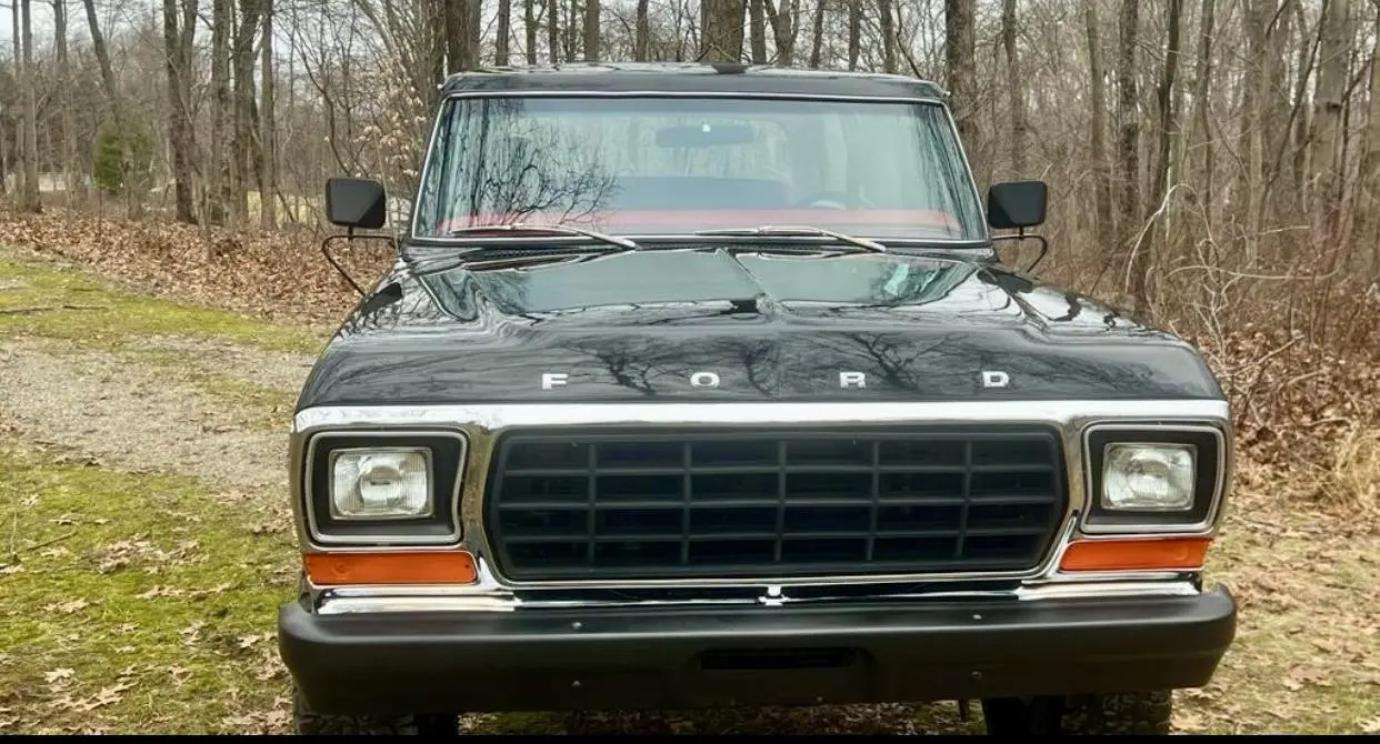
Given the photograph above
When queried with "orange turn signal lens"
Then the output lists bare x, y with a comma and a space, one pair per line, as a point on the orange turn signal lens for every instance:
430, 567
1139, 554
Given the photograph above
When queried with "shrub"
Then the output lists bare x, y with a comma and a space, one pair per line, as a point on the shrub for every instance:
124, 157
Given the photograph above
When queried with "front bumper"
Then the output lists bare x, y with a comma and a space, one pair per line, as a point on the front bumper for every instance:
646, 657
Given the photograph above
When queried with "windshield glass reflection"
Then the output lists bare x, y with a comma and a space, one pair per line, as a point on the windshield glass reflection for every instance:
658, 166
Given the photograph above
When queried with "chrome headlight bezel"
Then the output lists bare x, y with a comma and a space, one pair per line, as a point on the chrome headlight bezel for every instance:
1210, 455
439, 525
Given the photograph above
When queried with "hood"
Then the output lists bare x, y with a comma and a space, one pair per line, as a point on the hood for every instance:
706, 325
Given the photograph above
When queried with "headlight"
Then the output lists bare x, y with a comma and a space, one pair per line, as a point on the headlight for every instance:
381, 484
1148, 477
383, 487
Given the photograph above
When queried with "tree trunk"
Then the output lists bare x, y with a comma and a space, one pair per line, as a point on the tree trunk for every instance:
1328, 102
1102, 190
1143, 260
1015, 88
242, 62
591, 40
102, 53
553, 30
268, 126
219, 178
960, 47
1202, 125
884, 20
817, 38
722, 37
1128, 120
502, 32
529, 28
177, 63
30, 201
462, 47
854, 33
757, 28
64, 92
643, 41
785, 23
15, 35
1367, 228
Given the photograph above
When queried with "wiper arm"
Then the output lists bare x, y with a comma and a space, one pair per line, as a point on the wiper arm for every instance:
567, 229
798, 230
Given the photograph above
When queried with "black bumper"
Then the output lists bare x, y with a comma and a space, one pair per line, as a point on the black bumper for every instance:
658, 657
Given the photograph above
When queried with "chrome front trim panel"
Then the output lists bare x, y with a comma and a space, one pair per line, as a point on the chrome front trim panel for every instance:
481, 424
359, 600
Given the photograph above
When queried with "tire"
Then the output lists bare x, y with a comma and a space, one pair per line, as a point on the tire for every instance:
308, 721
1116, 713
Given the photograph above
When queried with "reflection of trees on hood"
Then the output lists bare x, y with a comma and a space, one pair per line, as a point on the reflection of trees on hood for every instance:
639, 362
519, 167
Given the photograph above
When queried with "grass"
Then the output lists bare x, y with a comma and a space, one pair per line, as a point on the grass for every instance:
136, 602
67, 304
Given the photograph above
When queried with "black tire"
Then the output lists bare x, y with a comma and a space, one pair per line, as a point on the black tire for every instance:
308, 721
1116, 713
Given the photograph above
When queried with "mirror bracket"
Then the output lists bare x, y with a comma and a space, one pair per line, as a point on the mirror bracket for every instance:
1021, 236
349, 237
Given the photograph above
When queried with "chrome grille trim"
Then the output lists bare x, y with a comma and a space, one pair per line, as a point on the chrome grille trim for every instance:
482, 423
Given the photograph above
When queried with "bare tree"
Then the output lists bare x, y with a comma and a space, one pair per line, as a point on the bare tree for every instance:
505, 12
1328, 104
817, 37
1015, 88
64, 94
222, 107
553, 30
888, 31
757, 30
1128, 121
785, 25
854, 33
591, 39
644, 30
179, 30
1097, 126
242, 63
102, 52
529, 28
722, 37
1202, 125
1143, 259
960, 48
268, 124
29, 194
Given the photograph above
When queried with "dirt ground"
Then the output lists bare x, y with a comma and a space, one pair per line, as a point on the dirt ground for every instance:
145, 542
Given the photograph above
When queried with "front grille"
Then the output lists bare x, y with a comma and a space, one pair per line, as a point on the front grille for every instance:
772, 504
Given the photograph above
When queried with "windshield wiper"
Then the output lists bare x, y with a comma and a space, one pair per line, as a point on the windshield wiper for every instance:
797, 231
567, 229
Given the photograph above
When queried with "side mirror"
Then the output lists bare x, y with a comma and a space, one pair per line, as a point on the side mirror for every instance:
356, 203
1017, 204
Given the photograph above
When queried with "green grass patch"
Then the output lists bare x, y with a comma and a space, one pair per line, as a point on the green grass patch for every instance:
66, 303
136, 602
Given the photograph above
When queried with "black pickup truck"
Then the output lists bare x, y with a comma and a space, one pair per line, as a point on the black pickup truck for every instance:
705, 385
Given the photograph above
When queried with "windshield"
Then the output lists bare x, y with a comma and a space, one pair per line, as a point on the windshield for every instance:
676, 166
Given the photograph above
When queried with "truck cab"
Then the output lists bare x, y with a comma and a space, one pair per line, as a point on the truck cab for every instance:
702, 385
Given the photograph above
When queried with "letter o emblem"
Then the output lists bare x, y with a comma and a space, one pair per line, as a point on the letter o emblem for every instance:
704, 379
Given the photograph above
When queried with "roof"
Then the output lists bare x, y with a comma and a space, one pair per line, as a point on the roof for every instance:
689, 78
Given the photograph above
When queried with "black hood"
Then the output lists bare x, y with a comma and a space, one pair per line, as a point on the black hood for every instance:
638, 326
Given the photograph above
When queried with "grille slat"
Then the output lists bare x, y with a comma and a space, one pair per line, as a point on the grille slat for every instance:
705, 504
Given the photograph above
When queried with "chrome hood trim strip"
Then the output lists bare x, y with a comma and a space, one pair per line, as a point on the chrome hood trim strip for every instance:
497, 416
